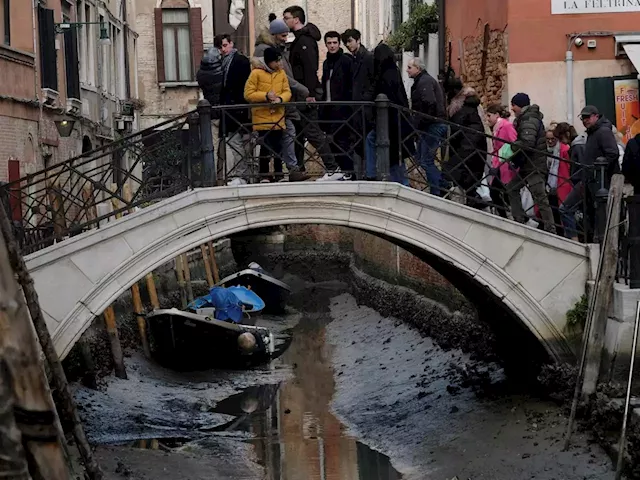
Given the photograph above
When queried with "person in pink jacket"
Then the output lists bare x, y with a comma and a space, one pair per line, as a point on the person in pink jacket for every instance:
503, 131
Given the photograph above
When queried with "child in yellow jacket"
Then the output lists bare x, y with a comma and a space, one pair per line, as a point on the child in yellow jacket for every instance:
268, 84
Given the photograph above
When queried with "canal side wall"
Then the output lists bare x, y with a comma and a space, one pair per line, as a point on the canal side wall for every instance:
372, 255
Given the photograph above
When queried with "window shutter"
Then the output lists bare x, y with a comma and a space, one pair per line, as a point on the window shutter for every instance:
48, 61
71, 63
159, 45
197, 42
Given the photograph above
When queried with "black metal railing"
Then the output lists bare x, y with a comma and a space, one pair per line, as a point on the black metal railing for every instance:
366, 140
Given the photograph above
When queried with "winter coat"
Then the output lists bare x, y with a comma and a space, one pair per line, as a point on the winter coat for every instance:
427, 97
233, 94
601, 142
299, 92
304, 57
389, 82
503, 130
468, 146
340, 86
564, 175
363, 85
260, 82
631, 164
530, 149
210, 77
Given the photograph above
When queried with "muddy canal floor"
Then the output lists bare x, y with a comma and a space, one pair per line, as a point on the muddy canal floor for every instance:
356, 396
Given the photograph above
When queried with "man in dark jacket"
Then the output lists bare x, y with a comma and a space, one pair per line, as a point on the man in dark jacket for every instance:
363, 81
601, 142
427, 97
234, 124
530, 157
209, 76
337, 87
304, 59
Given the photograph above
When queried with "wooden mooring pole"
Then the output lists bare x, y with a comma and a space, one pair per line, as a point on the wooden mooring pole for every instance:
214, 264
67, 403
142, 322
207, 266
153, 293
114, 341
187, 276
181, 284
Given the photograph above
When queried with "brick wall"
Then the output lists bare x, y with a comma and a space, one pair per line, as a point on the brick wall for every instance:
19, 137
488, 79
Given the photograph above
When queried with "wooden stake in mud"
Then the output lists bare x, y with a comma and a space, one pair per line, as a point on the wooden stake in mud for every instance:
153, 293
187, 276
142, 323
33, 407
114, 340
181, 285
89, 378
214, 264
57, 372
207, 266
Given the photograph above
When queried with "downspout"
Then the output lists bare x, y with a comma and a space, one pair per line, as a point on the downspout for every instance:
353, 13
36, 76
127, 67
569, 62
442, 35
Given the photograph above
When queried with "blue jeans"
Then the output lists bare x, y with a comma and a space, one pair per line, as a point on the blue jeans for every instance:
398, 173
568, 209
429, 142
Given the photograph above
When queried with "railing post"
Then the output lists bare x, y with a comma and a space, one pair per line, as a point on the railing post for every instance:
602, 196
209, 170
633, 239
193, 156
382, 137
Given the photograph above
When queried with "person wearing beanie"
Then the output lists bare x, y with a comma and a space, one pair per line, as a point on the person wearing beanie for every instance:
275, 36
269, 85
530, 156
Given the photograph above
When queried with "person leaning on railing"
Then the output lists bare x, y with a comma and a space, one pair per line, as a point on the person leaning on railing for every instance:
268, 84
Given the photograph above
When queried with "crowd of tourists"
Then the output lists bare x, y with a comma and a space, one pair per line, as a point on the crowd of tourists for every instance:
536, 173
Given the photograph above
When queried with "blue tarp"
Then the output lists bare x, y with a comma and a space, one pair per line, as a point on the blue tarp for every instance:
228, 302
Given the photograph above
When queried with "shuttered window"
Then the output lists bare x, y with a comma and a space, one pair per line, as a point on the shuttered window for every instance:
179, 43
71, 63
48, 61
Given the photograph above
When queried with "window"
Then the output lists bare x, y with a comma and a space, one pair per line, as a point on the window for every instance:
5, 15
89, 42
396, 9
179, 43
71, 60
48, 60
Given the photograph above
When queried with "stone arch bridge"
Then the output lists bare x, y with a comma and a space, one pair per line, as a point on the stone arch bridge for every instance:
535, 275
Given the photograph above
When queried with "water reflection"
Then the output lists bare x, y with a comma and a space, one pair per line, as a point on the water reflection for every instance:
296, 435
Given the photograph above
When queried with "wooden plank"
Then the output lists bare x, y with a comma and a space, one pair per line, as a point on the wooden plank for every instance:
207, 265
603, 293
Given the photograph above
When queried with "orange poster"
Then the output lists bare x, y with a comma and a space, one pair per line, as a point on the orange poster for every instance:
627, 107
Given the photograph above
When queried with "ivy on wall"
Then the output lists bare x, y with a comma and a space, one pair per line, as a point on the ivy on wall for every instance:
422, 21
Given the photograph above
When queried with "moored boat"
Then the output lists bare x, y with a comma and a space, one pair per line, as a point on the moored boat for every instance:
187, 340
273, 291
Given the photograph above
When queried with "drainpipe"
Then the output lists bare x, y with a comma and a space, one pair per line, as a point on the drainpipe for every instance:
127, 67
442, 35
569, 62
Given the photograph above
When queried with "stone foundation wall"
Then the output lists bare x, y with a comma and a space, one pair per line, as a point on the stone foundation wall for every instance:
488, 79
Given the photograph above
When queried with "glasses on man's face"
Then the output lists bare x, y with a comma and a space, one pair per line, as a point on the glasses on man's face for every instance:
585, 117
552, 141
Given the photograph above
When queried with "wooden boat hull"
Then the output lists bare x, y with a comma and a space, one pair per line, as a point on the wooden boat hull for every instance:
274, 292
185, 340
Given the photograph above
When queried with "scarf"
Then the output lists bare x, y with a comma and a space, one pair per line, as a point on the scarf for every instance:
226, 64
553, 163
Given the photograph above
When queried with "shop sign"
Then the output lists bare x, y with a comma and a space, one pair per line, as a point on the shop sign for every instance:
594, 6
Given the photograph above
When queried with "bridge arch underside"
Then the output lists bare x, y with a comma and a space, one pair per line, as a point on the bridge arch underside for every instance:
157, 234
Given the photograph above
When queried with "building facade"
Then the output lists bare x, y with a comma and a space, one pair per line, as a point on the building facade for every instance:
564, 54
63, 61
